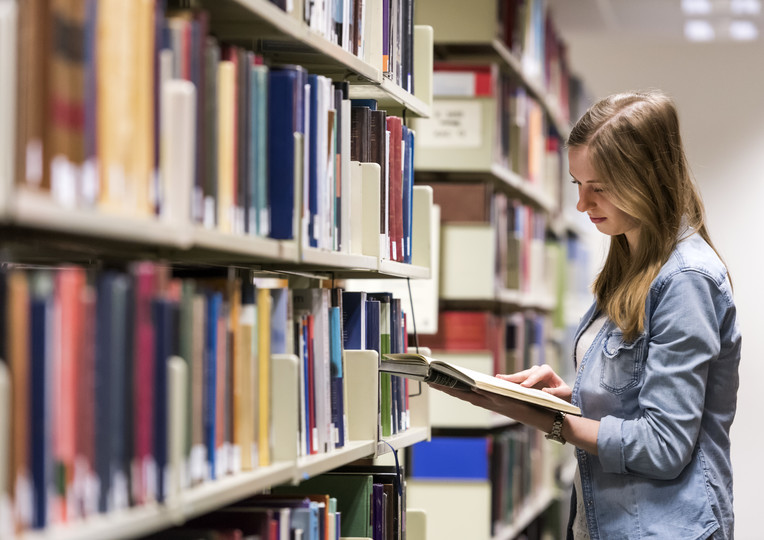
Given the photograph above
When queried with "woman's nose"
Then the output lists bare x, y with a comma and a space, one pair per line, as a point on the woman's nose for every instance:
584, 201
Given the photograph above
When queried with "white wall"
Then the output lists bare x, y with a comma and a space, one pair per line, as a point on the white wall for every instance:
719, 90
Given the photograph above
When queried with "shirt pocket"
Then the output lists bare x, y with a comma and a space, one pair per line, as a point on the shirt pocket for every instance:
623, 362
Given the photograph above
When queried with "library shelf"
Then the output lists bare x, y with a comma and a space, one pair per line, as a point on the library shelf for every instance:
402, 270
495, 50
286, 39
309, 466
238, 246
132, 522
501, 177
390, 96
39, 211
503, 300
530, 510
401, 440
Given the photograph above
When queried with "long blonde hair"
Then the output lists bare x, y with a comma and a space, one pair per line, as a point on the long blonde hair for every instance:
636, 149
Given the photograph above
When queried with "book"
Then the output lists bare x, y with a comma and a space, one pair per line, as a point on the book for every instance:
430, 370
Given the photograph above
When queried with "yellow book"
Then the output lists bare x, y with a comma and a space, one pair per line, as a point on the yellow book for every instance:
264, 374
244, 391
142, 164
226, 149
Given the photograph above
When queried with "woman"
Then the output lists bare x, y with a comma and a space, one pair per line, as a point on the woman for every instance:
657, 354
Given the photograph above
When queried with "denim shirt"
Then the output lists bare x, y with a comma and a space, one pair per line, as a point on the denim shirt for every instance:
665, 402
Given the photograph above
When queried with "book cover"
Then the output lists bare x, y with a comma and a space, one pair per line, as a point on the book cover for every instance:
385, 380
284, 121
354, 319
245, 392
264, 309
214, 305
353, 494
429, 370
463, 458
336, 374
162, 312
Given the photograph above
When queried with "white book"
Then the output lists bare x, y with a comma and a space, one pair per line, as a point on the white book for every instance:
178, 148
8, 54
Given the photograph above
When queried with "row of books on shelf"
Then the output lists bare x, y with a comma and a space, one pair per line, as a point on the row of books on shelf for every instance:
515, 341
482, 118
509, 466
490, 243
130, 386
529, 42
140, 111
355, 501
348, 23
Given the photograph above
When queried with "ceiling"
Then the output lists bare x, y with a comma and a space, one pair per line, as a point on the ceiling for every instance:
659, 19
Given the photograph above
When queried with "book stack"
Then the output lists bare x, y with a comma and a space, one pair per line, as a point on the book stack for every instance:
217, 136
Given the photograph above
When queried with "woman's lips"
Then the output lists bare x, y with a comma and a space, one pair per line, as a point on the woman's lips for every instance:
596, 220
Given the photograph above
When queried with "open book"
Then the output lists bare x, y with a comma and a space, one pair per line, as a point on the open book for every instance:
429, 370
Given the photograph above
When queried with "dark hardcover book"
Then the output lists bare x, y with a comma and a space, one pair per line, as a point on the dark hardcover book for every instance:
408, 53
379, 155
378, 514
372, 325
163, 316
386, 24
103, 386
360, 122
40, 431
199, 66
214, 301
370, 103
354, 320
284, 121
208, 202
119, 374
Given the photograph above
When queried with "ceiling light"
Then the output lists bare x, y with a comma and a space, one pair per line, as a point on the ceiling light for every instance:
745, 7
743, 31
696, 7
699, 30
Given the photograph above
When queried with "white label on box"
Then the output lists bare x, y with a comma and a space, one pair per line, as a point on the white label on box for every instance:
455, 123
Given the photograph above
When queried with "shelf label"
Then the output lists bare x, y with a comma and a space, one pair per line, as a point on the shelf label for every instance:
455, 123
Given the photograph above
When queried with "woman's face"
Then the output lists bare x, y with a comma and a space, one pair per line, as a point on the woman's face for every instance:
593, 199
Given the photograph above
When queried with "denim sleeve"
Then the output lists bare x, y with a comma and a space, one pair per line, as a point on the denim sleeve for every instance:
684, 339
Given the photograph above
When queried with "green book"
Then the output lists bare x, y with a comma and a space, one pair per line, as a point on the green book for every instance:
353, 494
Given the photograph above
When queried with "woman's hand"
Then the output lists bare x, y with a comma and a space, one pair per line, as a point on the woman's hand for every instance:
543, 378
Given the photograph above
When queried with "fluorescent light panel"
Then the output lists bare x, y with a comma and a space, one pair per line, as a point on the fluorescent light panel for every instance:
699, 30
743, 30
745, 7
696, 7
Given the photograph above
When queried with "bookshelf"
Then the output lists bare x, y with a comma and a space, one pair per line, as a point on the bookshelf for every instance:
42, 228
512, 262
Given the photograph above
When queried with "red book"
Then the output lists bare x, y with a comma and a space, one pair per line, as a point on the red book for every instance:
470, 80
469, 331
395, 207
145, 276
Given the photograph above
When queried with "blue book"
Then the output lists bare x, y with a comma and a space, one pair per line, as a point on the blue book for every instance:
40, 394
354, 320
370, 103
378, 514
285, 117
214, 301
279, 320
336, 373
306, 519
103, 386
372, 325
463, 458
120, 358
162, 313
